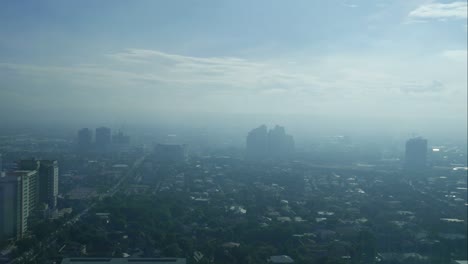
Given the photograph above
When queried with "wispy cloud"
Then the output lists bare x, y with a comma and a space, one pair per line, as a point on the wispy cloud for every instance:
454, 10
434, 87
350, 5
152, 78
222, 72
458, 55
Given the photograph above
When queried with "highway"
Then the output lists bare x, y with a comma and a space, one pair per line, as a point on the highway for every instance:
30, 255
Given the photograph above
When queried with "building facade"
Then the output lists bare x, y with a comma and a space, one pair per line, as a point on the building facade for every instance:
257, 143
9, 207
263, 144
28, 197
84, 139
19, 193
416, 154
47, 179
103, 137
48, 183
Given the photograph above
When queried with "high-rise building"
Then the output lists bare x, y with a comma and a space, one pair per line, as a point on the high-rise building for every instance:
85, 138
28, 164
21, 191
10, 212
48, 183
257, 143
47, 187
18, 191
280, 145
28, 196
416, 154
120, 138
269, 144
103, 137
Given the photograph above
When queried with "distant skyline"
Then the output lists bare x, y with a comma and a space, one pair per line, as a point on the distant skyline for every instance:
392, 61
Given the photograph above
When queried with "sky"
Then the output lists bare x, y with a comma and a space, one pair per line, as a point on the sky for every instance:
363, 62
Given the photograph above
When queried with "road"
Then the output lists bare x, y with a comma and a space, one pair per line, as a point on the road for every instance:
30, 255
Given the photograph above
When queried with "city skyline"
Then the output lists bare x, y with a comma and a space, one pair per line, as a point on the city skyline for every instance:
234, 131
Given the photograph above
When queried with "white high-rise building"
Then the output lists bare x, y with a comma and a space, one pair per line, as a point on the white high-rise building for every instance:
18, 193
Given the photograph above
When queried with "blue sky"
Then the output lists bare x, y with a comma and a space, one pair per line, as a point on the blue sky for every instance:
376, 58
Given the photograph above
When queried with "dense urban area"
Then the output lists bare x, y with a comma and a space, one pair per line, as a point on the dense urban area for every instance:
233, 131
103, 198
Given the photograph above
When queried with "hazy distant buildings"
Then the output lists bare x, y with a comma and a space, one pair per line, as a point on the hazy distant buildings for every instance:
416, 154
264, 144
169, 153
280, 144
257, 143
104, 141
85, 139
120, 139
103, 138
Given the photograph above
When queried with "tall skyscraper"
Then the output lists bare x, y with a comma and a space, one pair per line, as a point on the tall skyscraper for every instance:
120, 138
18, 193
47, 179
21, 191
103, 137
280, 145
84, 140
28, 197
257, 143
416, 154
269, 144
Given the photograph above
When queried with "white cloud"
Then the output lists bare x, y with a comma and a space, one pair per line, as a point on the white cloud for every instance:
456, 10
433, 87
351, 5
458, 55
154, 79
222, 72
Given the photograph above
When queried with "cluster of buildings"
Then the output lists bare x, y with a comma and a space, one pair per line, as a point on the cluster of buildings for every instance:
272, 144
324, 207
265, 144
336, 205
103, 139
30, 190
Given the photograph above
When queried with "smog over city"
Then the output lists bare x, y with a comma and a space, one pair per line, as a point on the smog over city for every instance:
218, 131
